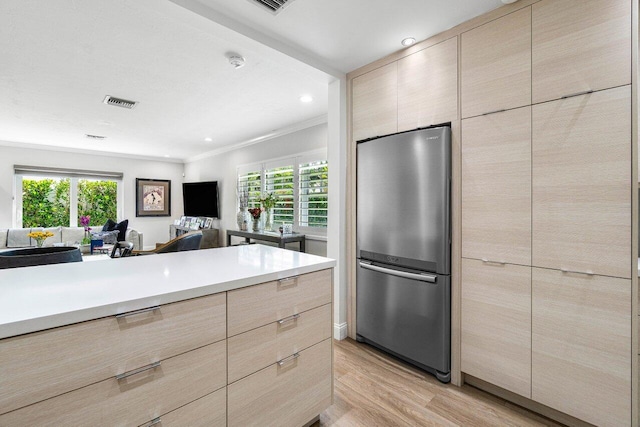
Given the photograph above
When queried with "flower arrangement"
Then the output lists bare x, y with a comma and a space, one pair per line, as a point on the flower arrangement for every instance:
255, 212
40, 236
269, 200
84, 221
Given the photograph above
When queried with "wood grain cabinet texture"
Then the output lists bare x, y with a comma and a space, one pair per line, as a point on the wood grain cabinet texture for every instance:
375, 103
496, 65
581, 341
208, 411
580, 45
428, 86
582, 183
41, 365
496, 324
496, 187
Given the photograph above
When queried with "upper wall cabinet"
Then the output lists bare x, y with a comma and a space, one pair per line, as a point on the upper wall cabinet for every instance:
428, 86
496, 65
582, 183
375, 103
580, 45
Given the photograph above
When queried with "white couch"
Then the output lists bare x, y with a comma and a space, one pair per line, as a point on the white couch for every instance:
18, 237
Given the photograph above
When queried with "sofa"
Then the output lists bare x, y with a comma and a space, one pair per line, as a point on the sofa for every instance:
18, 237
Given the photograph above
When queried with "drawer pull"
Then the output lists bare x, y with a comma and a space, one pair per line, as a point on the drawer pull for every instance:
588, 272
288, 281
288, 359
488, 261
133, 313
137, 371
586, 92
494, 112
288, 319
154, 422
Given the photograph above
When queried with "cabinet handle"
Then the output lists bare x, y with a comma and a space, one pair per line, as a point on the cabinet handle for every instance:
153, 422
284, 282
137, 371
288, 319
287, 359
133, 313
577, 94
488, 261
493, 112
588, 272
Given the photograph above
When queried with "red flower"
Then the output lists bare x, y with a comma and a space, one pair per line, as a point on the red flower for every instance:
255, 212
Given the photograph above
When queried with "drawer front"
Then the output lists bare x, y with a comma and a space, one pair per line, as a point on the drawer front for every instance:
208, 411
256, 349
41, 365
256, 306
287, 395
133, 400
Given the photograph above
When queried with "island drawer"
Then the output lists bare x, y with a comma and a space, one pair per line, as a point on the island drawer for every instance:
291, 393
258, 348
135, 399
42, 365
208, 411
269, 302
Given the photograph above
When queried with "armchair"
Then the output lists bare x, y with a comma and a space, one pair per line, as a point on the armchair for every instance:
185, 242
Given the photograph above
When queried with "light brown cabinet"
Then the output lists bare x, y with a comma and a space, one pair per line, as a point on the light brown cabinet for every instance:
496, 65
375, 103
428, 86
208, 411
582, 183
581, 342
496, 187
580, 45
496, 324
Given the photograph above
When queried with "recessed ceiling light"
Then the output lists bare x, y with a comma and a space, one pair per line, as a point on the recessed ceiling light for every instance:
207, 139
166, 155
408, 41
306, 98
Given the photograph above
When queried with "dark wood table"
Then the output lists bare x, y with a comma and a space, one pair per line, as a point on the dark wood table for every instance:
275, 237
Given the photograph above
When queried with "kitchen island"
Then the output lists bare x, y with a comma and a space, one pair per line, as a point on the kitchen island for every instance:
226, 336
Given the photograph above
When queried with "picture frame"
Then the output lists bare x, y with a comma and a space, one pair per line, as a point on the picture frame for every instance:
183, 220
194, 225
153, 197
208, 223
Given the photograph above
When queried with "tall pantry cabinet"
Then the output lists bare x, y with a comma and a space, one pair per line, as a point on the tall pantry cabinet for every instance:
563, 220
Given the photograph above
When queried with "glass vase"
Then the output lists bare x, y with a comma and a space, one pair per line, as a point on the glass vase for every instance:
268, 219
39, 243
256, 224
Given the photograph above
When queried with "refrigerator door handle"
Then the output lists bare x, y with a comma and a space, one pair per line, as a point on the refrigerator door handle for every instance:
413, 276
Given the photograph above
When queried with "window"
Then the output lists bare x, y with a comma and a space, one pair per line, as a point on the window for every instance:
300, 184
47, 197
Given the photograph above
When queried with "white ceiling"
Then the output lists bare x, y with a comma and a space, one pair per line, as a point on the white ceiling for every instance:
61, 57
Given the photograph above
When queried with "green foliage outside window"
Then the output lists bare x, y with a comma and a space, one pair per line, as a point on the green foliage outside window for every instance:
46, 202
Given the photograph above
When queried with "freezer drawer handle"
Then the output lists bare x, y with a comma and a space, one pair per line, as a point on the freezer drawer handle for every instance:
137, 371
588, 272
413, 276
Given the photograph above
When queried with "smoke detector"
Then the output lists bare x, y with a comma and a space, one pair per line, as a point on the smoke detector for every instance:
236, 60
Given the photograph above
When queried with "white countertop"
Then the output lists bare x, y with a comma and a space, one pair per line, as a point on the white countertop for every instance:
43, 297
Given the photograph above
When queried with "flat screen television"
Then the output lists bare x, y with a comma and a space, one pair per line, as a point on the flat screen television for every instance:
201, 199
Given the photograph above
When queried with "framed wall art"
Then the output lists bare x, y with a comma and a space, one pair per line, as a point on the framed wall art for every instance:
153, 197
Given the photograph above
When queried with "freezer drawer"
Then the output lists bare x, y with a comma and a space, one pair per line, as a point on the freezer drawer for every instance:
407, 317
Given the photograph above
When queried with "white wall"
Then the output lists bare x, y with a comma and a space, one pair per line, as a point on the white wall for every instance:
155, 229
223, 168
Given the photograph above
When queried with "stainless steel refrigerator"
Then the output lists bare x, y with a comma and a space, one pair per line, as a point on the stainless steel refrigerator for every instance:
403, 287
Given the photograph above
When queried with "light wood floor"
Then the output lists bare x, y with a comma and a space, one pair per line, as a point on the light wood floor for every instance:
374, 389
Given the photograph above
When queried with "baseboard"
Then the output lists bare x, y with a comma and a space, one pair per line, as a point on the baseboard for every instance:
340, 331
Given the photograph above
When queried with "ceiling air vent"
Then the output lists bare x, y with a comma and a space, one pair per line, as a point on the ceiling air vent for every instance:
119, 102
274, 6
96, 137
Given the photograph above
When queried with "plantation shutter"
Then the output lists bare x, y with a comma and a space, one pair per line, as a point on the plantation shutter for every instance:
279, 179
249, 186
313, 195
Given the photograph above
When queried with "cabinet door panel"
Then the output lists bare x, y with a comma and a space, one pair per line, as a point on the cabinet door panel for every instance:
582, 183
496, 65
496, 187
580, 45
581, 342
428, 86
375, 103
496, 324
